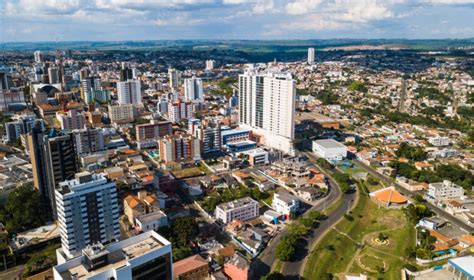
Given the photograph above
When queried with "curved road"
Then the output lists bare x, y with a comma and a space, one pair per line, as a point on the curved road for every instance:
263, 263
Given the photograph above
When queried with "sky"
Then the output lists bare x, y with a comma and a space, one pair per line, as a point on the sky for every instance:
120, 20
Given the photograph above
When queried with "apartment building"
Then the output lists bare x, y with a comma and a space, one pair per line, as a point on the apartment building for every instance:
240, 209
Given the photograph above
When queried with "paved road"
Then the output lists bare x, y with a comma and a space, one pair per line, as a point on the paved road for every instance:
453, 220
263, 263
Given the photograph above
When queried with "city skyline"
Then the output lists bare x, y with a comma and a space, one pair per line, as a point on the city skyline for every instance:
27, 20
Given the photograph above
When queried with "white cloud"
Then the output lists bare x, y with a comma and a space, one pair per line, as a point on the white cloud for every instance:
264, 7
300, 7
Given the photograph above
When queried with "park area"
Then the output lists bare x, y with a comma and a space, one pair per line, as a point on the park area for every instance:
369, 239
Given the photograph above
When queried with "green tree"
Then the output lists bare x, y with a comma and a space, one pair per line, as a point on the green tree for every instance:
286, 248
184, 229
21, 209
411, 152
273, 276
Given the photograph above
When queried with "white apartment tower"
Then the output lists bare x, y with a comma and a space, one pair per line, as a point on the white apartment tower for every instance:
193, 89
129, 92
174, 77
38, 56
87, 210
267, 106
310, 55
210, 64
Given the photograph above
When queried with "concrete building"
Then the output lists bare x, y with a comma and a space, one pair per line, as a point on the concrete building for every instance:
144, 256
439, 141
285, 203
191, 268
209, 134
174, 77
310, 55
329, 149
154, 129
129, 92
444, 190
88, 140
179, 148
267, 106
96, 95
89, 84
240, 209
234, 135
87, 212
180, 110
53, 160
38, 56
70, 120
54, 75
193, 89
122, 113
23, 125
257, 156
210, 64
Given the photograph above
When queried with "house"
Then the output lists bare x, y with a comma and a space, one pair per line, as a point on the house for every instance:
454, 207
308, 193
466, 241
423, 165
152, 221
238, 268
138, 210
193, 186
432, 223
444, 190
250, 238
191, 268
285, 203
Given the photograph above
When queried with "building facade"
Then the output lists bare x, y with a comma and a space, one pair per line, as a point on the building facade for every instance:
267, 106
193, 89
154, 129
88, 212
240, 209
129, 92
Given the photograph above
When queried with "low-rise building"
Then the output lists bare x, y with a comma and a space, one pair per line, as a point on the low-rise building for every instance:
439, 141
240, 209
191, 268
444, 190
329, 149
285, 203
144, 256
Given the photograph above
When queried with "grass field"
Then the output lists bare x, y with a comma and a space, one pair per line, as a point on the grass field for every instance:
188, 172
350, 241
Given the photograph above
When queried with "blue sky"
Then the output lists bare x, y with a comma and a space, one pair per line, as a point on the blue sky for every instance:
95, 20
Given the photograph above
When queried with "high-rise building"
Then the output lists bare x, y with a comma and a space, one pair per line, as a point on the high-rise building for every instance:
126, 73
310, 55
89, 84
144, 256
179, 148
180, 110
174, 77
5, 80
53, 74
154, 129
93, 95
208, 133
129, 92
88, 140
193, 89
121, 113
70, 120
38, 56
267, 106
210, 64
53, 160
88, 212
24, 124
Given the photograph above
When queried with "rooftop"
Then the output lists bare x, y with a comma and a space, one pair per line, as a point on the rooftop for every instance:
118, 254
237, 203
188, 264
329, 143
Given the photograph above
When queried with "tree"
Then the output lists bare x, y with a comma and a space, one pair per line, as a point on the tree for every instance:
21, 209
286, 248
273, 276
343, 180
314, 215
184, 230
297, 230
411, 152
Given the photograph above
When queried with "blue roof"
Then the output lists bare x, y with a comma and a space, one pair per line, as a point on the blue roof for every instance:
235, 131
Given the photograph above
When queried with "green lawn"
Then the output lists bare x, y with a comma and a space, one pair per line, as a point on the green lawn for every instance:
187, 172
335, 251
